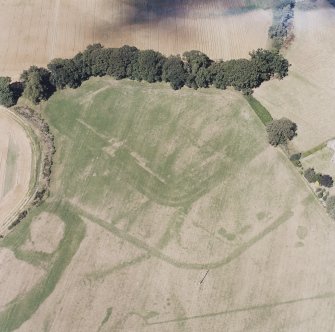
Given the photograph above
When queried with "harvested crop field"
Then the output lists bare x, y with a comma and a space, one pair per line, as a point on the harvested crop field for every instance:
16, 163
306, 97
36, 31
177, 215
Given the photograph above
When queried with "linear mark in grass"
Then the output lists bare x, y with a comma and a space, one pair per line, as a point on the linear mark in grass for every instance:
107, 316
182, 264
250, 308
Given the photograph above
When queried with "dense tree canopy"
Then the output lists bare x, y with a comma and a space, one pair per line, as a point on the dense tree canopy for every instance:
194, 69
269, 64
65, 72
174, 72
149, 66
281, 131
6, 94
37, 85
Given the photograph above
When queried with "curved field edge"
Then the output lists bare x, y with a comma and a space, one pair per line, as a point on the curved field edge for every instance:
23, 307
35, 168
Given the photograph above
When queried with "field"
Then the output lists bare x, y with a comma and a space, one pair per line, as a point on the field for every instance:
149, 226
36, 31
307, 95
16, 167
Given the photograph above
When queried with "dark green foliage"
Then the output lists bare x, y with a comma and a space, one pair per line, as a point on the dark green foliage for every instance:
65, 72
174, 72
195, 70
196, 60
325, 180
269, 64
17, 89
37, 85
6, 93
203, 78
295, 156
330, 206
122, 62
149, 66
218, 75
242, 74
310, 175
281, 131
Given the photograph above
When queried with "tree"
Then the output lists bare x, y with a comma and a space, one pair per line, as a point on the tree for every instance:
330, 206
65, 72
203, 78
242, 74
325, 180
149, 66
121, 62
281, 131
269, 63
37, 85
6, 94
174, 72
196, 60
310, 175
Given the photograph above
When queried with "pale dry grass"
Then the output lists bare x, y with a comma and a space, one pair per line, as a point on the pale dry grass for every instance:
16, 171
307, 95
46, 231
16, 276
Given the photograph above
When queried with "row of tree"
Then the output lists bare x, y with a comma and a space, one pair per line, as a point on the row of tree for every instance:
193, 69
324, 180
283, 14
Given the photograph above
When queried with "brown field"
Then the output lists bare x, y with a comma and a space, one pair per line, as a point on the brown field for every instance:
15, 166
36, 31
307, 95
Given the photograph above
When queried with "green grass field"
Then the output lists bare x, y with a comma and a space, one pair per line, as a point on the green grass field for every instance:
155, 187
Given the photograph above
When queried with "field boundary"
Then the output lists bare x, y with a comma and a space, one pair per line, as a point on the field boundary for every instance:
42, 146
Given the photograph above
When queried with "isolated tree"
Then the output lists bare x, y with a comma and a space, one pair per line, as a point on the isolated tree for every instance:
6, 93
174, 72
281, 131
37, 85
330, 206
325, 180
310, 175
